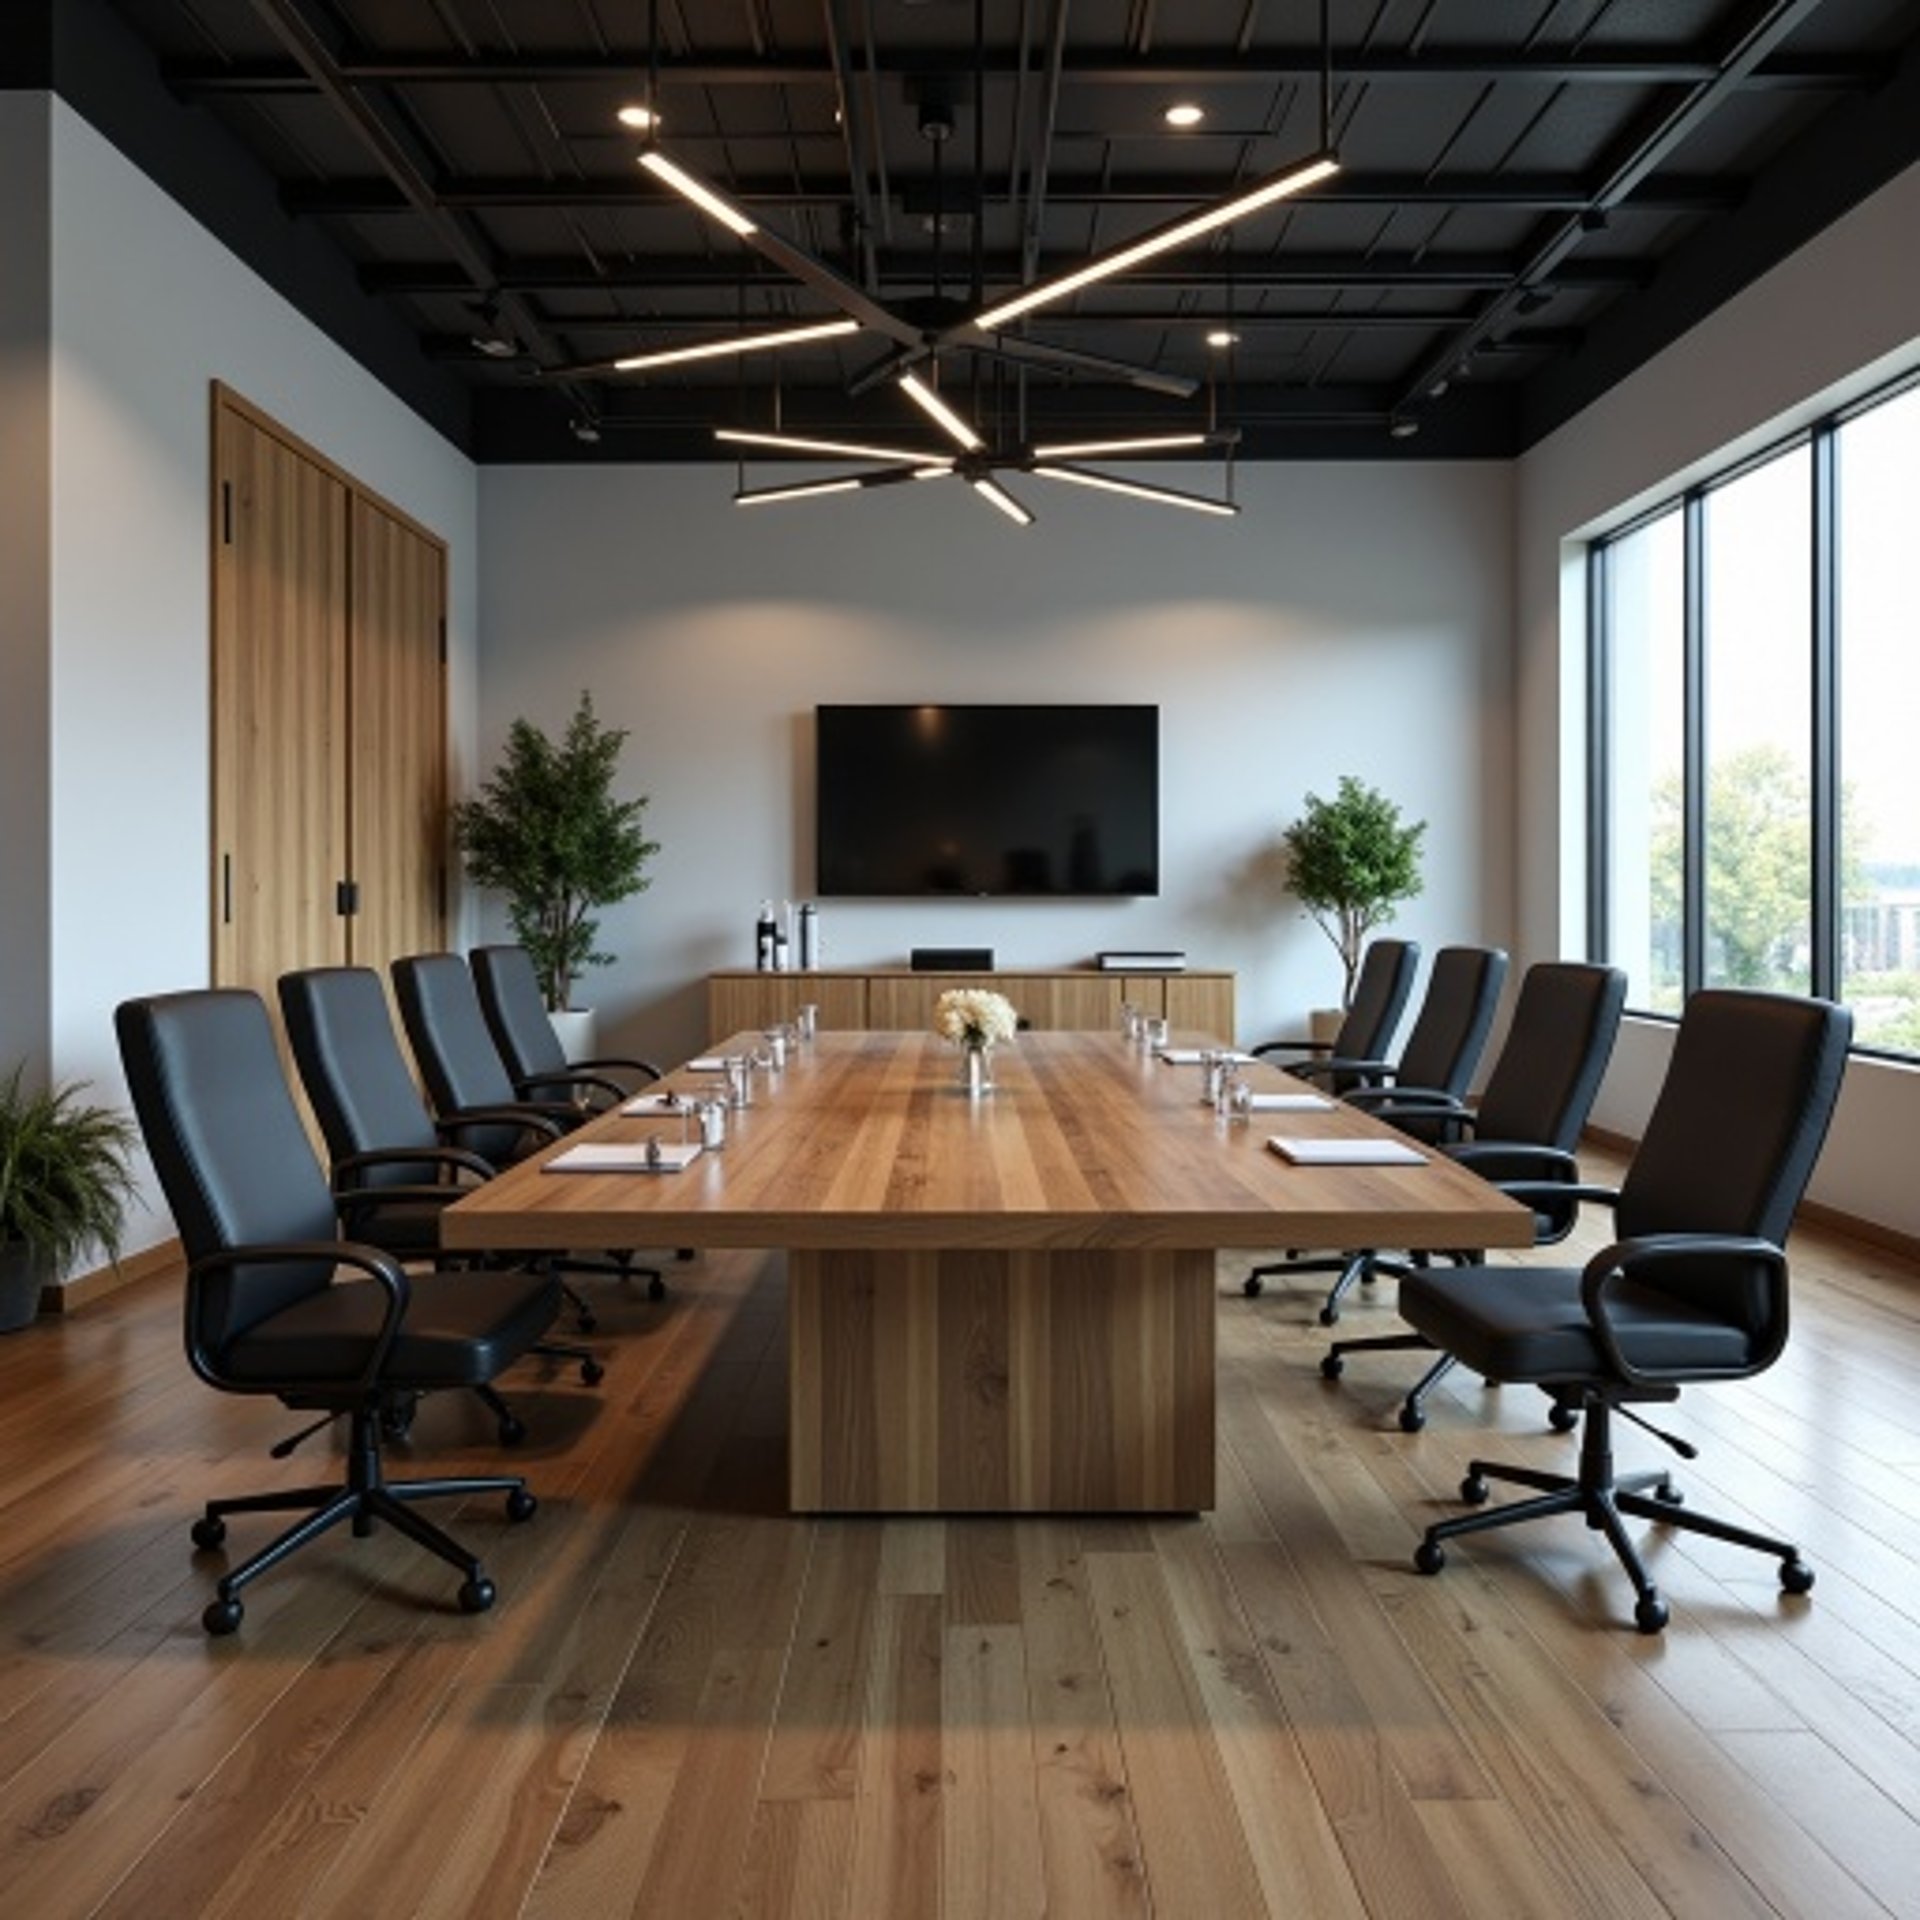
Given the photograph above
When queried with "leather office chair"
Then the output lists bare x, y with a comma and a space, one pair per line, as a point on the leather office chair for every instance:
1379, 995
467, 1080
516, 1016
393, 1170
1522, 1134
1448, 1037
267, 1311
1693, 1289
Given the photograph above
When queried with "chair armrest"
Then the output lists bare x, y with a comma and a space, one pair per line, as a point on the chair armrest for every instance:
1630, 1259
454, 1159
382, 1267
1552, 1163
526, 1119
1430, 1102
1336, 1064
1559, 1190
534, 1086
615, 1064
1292, 1046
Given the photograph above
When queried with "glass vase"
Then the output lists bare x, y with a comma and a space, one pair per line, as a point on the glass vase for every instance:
976, 1070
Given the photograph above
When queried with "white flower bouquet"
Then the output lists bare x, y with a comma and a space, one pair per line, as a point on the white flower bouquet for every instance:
974, 1018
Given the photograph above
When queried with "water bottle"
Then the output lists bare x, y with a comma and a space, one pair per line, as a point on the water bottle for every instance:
809, 937
763, 938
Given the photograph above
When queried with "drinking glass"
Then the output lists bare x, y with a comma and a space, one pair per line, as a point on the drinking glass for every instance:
807, 1020
1157, 1030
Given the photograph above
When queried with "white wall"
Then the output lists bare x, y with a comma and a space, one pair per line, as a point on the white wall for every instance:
1355, 619
1840, 316
148, 309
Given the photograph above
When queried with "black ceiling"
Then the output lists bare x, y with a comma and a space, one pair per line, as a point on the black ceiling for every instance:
1534, 194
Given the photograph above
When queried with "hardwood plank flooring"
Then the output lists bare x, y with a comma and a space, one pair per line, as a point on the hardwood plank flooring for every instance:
689, 1703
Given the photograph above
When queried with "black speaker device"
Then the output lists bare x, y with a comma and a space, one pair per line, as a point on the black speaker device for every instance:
952, 960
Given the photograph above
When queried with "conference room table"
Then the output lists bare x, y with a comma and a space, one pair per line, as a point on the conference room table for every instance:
996, 1303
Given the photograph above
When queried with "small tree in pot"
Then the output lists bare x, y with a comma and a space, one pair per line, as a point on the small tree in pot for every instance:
547, 832
64, 1187
1351, 860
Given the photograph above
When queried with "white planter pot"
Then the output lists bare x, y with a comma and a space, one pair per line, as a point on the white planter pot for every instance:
1323, 1023
574, 1028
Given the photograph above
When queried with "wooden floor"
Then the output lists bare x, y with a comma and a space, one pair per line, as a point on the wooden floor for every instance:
688, 1704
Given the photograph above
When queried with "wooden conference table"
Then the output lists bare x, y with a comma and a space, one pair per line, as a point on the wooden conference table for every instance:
998, 1304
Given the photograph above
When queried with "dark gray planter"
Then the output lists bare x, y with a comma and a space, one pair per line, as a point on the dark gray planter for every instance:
22, 1274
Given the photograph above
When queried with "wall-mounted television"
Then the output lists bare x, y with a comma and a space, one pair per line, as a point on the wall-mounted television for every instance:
988, 801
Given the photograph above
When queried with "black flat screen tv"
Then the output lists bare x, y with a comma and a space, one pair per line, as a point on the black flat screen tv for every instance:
988, 801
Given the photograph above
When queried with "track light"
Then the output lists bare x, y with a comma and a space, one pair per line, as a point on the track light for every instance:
1139, 490
937, 410
488, 335
739, 343
1163, 240
641, 119
585, 429
702, 195
1402, 428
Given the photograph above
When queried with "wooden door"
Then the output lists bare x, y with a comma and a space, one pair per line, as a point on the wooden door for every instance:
397, 793
279, 708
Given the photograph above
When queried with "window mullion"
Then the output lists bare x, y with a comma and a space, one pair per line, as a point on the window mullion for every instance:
1826, 824
1693, 783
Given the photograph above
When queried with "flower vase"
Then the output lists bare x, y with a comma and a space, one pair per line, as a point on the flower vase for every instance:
978, 1074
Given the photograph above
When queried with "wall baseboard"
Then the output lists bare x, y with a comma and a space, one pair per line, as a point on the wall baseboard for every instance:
85, 1288
1870, 1232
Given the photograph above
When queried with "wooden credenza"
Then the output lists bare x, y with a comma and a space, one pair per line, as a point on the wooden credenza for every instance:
894, 999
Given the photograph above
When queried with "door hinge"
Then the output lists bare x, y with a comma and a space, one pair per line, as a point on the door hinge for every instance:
346, 898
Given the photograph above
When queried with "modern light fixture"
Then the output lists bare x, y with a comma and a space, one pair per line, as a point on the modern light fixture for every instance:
585, 428
841, 449
1139, 490
937, 410
1175, 233
1184, 114
736, 343
1222, 337
800, 490
641, 119
1105, 449
998, 496
1401, 428
702, 195
489, 334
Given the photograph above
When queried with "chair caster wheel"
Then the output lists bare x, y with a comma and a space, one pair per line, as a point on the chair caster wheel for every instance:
1562, 1419
591, 1373
1669, 1495
222, 1616
1474, 1490
1253, 1286
1329, 1316
521, 1505
1650, 1613
208, 1532
1413, 1418
1332, 1367
1795, 1576
396, 1421
1429, 1557
512, 1430
477, 1594
656, 1288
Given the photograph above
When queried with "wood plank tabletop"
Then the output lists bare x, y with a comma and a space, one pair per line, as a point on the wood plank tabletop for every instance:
869, 1140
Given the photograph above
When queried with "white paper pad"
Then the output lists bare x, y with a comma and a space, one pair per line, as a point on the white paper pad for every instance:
624, 1156
1289, 1103
708, 1063
1190, 1056
1348, 1153
656, 1103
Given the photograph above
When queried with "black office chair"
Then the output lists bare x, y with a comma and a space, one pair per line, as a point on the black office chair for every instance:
1441, 1053
1379, 994
467, 1080
394, 1171
266, 1309
1693, 1289
1521, 1135
516, 1016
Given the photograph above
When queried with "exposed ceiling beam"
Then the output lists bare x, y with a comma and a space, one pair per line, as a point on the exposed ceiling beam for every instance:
1260, 67
1530, 192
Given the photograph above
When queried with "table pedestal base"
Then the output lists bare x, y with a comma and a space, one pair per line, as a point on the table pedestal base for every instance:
1001, 1382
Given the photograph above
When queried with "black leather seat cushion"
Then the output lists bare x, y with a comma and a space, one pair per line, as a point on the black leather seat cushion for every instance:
1527, 1323
461, 1330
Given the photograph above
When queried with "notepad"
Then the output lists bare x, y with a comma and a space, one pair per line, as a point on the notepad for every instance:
624, 1156
1192, 1056
708, 1063
1347, 1153
1289, 1103
655, 1103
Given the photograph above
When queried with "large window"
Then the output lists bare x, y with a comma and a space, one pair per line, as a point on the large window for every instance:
1755, 789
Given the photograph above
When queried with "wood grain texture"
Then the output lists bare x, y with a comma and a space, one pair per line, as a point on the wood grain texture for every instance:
974, 1381
867, 1140
689, 1701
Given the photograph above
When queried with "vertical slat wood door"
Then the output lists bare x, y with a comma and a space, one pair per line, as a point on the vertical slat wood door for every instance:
397, 739
279, 708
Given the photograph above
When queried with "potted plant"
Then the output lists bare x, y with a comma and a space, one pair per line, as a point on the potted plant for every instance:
64, 1185
547, 831
1350, 861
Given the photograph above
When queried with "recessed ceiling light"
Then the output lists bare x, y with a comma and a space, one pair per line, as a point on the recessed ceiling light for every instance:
1403, 429
1184, 114
1222, 337
639, 118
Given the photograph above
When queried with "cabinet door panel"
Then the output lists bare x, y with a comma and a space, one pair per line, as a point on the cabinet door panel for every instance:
1205, 1004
